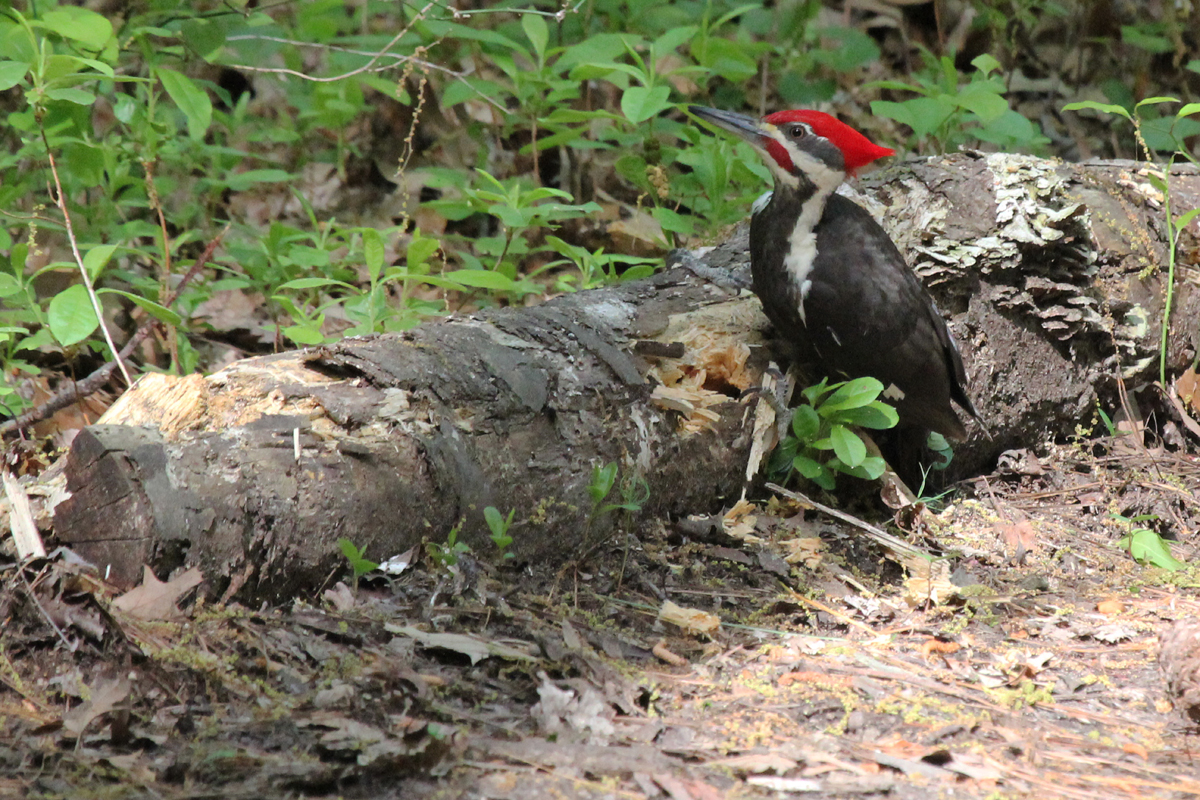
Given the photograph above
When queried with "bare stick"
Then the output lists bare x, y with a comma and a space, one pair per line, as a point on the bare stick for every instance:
87, 279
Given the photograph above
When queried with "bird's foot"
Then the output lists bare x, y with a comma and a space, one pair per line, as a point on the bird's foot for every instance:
774, 389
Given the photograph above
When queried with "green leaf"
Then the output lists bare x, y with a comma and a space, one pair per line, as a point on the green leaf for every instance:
726, 58
1009, 129
159, 312
190, 99
373, 251
470, 88
1107, 108
512, 217
203, 36
482, 279
349, 550
70, 316
815, 472
78, 24
420, 250
982, 99
241, 181
72, 95
96, 258
1188, 110
805, 423
675, 37
671, 220
877, 415
12, 73
538, 32
923, 114
807, 466
1145, 39
640, 103
603, 479
870, 469
311, 283
84, 162
9, 285
847, 445
1183, 219
854, 49
595, 55
1156, 101
1147, 546
358, 562
304, 335
852, 394
986, 64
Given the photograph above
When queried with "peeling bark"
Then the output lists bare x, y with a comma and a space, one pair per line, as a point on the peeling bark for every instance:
1051, 276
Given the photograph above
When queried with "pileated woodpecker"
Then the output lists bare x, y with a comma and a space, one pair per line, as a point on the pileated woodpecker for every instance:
834, 284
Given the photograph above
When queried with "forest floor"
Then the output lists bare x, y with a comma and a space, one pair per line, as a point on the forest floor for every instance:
802, 660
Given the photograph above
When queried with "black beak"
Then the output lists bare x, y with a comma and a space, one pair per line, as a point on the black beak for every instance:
746, 127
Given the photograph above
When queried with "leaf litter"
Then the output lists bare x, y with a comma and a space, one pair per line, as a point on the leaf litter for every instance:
832, 673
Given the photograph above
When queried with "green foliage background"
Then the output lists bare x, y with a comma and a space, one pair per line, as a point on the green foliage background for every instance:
474, 156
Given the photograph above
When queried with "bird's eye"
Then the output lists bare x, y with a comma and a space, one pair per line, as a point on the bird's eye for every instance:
798, 131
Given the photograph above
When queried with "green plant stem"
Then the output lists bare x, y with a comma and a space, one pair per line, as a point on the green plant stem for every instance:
1172, 235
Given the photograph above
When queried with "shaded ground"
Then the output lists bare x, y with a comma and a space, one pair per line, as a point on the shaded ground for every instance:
1031, 671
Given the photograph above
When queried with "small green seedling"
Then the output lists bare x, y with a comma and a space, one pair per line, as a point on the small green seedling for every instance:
499, 527
357, 558
823, 441
446, 555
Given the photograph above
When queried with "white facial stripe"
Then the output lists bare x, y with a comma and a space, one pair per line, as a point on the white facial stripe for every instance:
802, 244
761, 202
824, 178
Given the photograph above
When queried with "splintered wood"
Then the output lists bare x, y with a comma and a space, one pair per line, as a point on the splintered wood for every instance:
713, 368
238, 395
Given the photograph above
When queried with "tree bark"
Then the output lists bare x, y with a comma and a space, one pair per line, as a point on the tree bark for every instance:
1052, 277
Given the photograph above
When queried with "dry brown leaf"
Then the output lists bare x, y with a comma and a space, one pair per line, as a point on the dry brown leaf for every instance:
1019, 537
473, 647
1110, 607
105, 696
1187, 386
155, 599
639, 234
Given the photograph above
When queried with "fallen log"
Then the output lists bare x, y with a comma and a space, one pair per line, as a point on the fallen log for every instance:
1051, 275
